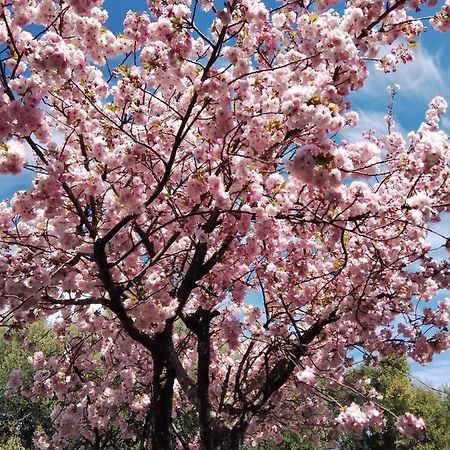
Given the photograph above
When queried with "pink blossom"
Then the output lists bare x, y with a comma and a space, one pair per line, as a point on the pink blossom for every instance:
193, 194
14, 381
354, 418
411, 426
12, 158
37, 360
307, 376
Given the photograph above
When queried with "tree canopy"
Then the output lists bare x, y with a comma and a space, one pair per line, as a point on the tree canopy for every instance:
195, 161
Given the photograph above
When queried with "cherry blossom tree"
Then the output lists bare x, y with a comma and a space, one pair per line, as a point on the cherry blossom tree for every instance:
192, 162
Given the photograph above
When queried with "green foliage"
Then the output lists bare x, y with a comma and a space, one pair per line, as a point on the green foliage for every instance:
291, 441
12, 444
19, 416
390, 378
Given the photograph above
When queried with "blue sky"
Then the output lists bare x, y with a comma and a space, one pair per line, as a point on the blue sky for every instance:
118, 10
419, 82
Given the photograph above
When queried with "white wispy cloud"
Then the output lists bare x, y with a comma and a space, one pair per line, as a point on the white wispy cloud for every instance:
369, 121
422, 79
436, 374
419, 81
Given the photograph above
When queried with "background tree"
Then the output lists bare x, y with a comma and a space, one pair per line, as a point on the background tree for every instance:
187, 162
23, 415
396, 393
390, 378
20, 417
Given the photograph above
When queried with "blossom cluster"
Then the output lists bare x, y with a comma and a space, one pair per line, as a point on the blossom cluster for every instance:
355, 419
411, 426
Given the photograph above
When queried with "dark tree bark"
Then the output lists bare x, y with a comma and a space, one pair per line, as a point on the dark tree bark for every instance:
157, 432
200, 323
161, 406
234, 439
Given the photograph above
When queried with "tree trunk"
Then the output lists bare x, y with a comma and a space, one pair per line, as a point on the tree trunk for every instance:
233, 439
204, 355
199, 323
157, 433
